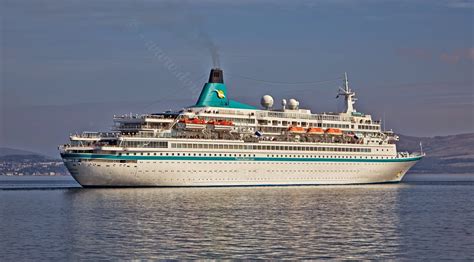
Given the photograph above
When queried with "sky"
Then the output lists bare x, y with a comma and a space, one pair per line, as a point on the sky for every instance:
69, 66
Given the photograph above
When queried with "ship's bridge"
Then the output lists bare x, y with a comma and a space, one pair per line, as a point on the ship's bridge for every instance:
135, 123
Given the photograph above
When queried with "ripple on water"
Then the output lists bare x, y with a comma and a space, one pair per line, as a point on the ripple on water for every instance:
404, 221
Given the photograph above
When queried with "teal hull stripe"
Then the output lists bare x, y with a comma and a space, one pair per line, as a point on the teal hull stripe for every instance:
212, 158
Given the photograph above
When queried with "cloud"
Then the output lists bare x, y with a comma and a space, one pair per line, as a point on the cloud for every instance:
417, 53
451, 57
470, 53
457, 56
460, 3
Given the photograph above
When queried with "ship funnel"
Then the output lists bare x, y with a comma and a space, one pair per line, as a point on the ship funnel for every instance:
216, 76
214, 93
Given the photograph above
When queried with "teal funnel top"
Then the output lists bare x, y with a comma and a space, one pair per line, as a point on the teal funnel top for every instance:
214, 93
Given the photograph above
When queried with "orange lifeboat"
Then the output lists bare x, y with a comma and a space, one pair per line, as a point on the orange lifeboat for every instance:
221, 124
198, 121
227, 123
193, 123
315, 131
334, 131
184, 121
296, 130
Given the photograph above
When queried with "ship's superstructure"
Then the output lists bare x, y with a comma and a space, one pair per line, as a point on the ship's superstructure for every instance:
221, 142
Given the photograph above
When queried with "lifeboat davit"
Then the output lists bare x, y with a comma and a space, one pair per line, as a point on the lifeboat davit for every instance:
296, 130
221, 124
193, 123
315, 131
334, 131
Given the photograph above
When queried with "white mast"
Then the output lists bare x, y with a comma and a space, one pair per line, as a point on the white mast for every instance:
348, 94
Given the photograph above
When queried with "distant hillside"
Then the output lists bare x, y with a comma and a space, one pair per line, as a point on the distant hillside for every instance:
445, 154
5, 151
18, 155
14, 162
26, 158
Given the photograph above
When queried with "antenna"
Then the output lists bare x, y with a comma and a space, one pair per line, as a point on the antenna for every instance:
348, 95
384, 121
346, 83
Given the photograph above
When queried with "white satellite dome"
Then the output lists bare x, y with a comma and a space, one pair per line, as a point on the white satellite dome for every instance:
266, 101
293, 104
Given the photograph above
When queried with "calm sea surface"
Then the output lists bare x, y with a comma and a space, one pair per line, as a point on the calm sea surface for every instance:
52, 219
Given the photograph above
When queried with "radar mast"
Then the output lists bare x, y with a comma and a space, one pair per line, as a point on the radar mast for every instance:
348, 94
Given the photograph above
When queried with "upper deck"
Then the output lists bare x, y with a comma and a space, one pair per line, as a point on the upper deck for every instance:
290, 123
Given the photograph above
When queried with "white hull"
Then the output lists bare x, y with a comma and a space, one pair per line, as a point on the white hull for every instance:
235, 173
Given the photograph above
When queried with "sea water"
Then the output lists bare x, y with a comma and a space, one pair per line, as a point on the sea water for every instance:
424, 217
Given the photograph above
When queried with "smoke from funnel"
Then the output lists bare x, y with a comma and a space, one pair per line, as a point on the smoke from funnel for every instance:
209, 44
215, 56
182, 21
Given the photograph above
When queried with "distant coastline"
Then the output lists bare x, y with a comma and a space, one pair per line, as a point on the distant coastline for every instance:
444, 154
15, 162
453, 154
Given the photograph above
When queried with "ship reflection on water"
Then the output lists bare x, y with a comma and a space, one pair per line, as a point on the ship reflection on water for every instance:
356, 222
298, 222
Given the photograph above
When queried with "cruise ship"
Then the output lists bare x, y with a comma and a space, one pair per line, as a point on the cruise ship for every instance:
222, 142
